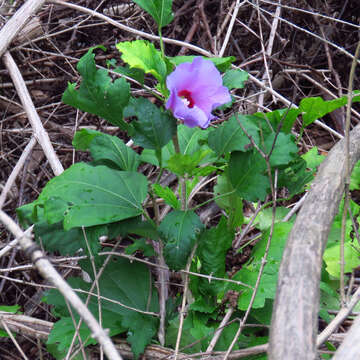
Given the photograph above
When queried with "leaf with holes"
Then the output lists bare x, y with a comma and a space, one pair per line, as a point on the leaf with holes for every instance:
98, 94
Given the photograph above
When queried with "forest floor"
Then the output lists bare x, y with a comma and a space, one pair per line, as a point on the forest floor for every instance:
297, 48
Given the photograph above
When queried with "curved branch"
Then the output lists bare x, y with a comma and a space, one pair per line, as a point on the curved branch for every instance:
17, 22
48, 272
297, 299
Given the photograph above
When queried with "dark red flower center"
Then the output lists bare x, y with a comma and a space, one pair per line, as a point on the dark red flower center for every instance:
185, 94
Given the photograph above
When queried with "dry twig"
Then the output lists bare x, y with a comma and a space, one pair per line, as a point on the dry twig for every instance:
48, 272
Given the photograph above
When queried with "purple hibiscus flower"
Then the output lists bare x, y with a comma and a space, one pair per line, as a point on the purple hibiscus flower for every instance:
196, 89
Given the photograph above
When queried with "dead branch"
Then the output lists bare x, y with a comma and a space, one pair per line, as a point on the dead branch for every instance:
297, 300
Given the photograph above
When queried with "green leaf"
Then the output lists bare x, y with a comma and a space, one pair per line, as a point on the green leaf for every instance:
332, 258
284, 150
154, 128
232, 203
136, 74
59, 355
250, 341
191, 140
179, 231
98, 94
266, 289
226, 338
314, 108
160, 10
141, 54
150, 156
235, 79
83, 138
328, 300
204, 304
54, 238
264, 219
133, 226
13, 309
111, 151
286, 117
62, 334
136, 291
168, 195
3, 333
230, 137
222, 64
27, 214
181, 164
313, 159
201, 330
249, 273
278, 241
213, 246
187, 337
295, 177
355, 177
263, 314
107, 150
142, 245
246, 174
267, 286
94, 195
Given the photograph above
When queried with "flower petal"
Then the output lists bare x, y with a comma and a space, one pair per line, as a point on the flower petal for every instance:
204, 75
191, 116
203, 84
212, 98
180, 78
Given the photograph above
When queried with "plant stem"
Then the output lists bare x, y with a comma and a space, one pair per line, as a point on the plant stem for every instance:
162, 48
183, 304
181, 178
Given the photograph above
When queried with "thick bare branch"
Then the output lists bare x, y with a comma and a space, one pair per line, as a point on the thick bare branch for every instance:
16, 23
297, 300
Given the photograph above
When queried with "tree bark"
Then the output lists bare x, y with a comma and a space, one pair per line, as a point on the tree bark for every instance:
295, 316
